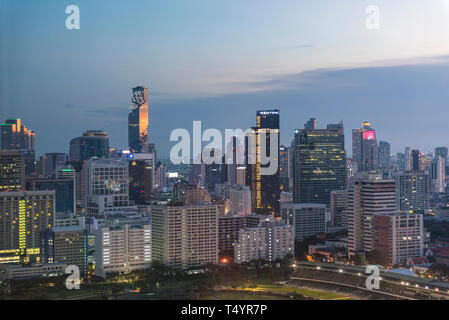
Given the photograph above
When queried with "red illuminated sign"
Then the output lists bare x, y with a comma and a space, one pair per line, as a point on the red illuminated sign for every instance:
369, 135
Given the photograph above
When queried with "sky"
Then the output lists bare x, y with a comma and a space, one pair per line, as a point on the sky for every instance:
220, 61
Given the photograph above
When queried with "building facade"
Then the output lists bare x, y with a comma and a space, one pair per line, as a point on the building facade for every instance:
185, 236
265, 188
413, 191
307, 219
12, 171
398, 237
93, 143
369, 196
23, 217
138, 120
106, 185
364, 148
65, 245
269, 241
319, 164
122, 249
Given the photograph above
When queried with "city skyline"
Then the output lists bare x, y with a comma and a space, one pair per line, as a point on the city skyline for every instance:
206, 150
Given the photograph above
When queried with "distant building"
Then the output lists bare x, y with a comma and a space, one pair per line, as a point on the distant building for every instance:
240, 199
197, 195
307, 219
138, 120
416, 160
122, 249
339, 208
12, 171
438, 175
50, 161
269, 241
441, 152
161, 179
413, 191
93, 143
16, 136
364, 148
384, 155
285, 171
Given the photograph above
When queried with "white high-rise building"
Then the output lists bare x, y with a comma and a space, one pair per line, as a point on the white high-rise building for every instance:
106, 186
185, 236
438, 172
240, 197
122, 249
269, 241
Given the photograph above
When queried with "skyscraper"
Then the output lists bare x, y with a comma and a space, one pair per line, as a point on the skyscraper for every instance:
93, 143
310, 124
319, 164
369, 196
438, 174
284, 168
138, 120
15, 136
413, 191
365, 148
408, 160
384, 155
23, 216
400, 161
50, 161
441, 151
265, 189
415, 160
12, 171
141, 177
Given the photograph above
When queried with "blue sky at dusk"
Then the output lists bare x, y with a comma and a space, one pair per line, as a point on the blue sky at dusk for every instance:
220, 61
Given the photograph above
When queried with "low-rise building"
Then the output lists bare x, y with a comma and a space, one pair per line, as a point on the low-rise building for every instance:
23, 272
269, 241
